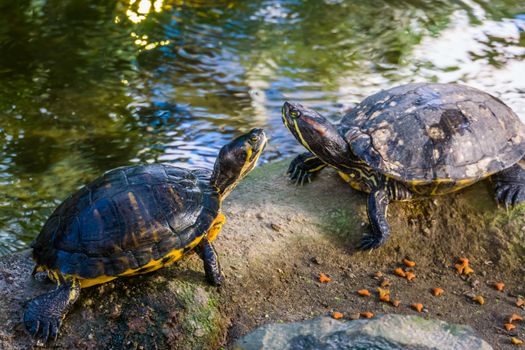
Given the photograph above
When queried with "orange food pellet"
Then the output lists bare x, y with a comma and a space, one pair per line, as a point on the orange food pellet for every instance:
459, 268
463, 261
437, 291
515, 317
418, 307
463, 267
384, 294
337, 315
400, 272
509, 326
516, 341
324, 278
395, 303
467, 270
520, 302
367, 314
409, 263
363, 292
378, 274
499, 286
410, 276
479, 299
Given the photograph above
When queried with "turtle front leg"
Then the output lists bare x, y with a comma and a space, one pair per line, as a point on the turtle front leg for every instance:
304, 167
212, 268
379, 230
509, 185
45, 313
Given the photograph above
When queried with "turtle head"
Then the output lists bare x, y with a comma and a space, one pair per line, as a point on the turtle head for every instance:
236, 159
315, 133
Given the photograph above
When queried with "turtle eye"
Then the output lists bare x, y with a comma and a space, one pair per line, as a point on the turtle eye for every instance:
295, 114
254, 138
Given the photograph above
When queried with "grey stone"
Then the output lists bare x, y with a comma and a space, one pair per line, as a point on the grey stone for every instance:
386, 332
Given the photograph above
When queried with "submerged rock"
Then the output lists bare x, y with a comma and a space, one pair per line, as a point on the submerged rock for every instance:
386, 332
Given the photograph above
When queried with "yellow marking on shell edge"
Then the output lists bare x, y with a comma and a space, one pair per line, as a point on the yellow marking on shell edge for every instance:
151, 266
317, 169
216, 226
356, 185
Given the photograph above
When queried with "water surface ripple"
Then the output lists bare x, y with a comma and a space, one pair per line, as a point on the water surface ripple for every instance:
86, 86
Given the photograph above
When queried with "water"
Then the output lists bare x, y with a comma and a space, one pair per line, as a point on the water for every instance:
86, 86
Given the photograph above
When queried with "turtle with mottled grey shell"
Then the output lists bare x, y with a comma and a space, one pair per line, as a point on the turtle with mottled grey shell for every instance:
411, 141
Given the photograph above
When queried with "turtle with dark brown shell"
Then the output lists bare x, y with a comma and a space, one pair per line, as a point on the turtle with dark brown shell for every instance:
411, 141
133, 220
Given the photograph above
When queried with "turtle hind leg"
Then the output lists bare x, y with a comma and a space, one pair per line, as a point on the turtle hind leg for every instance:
304, 167
509, 185
44, 314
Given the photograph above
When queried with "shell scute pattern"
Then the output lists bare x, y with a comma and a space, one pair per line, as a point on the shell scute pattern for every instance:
430, 132
125, 218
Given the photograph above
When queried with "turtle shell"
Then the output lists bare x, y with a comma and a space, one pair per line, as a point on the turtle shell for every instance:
126, 218
431, 132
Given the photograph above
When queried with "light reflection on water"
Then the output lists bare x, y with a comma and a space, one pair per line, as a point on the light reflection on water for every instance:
89, 86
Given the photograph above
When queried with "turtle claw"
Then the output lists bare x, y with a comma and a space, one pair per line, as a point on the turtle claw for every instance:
370, 241
42, 328
215, 279
44, 314
303, 167
509, 186
299, 175
510, 194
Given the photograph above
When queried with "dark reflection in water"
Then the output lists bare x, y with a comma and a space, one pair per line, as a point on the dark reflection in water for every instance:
86, 86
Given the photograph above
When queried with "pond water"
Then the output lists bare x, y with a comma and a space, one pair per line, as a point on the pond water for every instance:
86, 86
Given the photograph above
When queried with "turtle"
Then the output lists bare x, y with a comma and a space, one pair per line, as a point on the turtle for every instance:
411, 142
133, 220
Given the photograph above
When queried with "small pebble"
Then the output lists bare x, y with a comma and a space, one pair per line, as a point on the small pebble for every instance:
316, 260
275, 227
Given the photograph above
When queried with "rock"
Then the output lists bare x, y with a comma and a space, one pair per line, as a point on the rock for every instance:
386, 332
177, 311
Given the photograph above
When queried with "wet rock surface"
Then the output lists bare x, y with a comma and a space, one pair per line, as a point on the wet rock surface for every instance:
387, 332
276, 242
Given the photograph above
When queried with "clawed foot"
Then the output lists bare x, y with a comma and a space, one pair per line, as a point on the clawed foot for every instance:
45, 313
215, 279
371, 241
297, 174
303, 167
41, 326
509, 194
